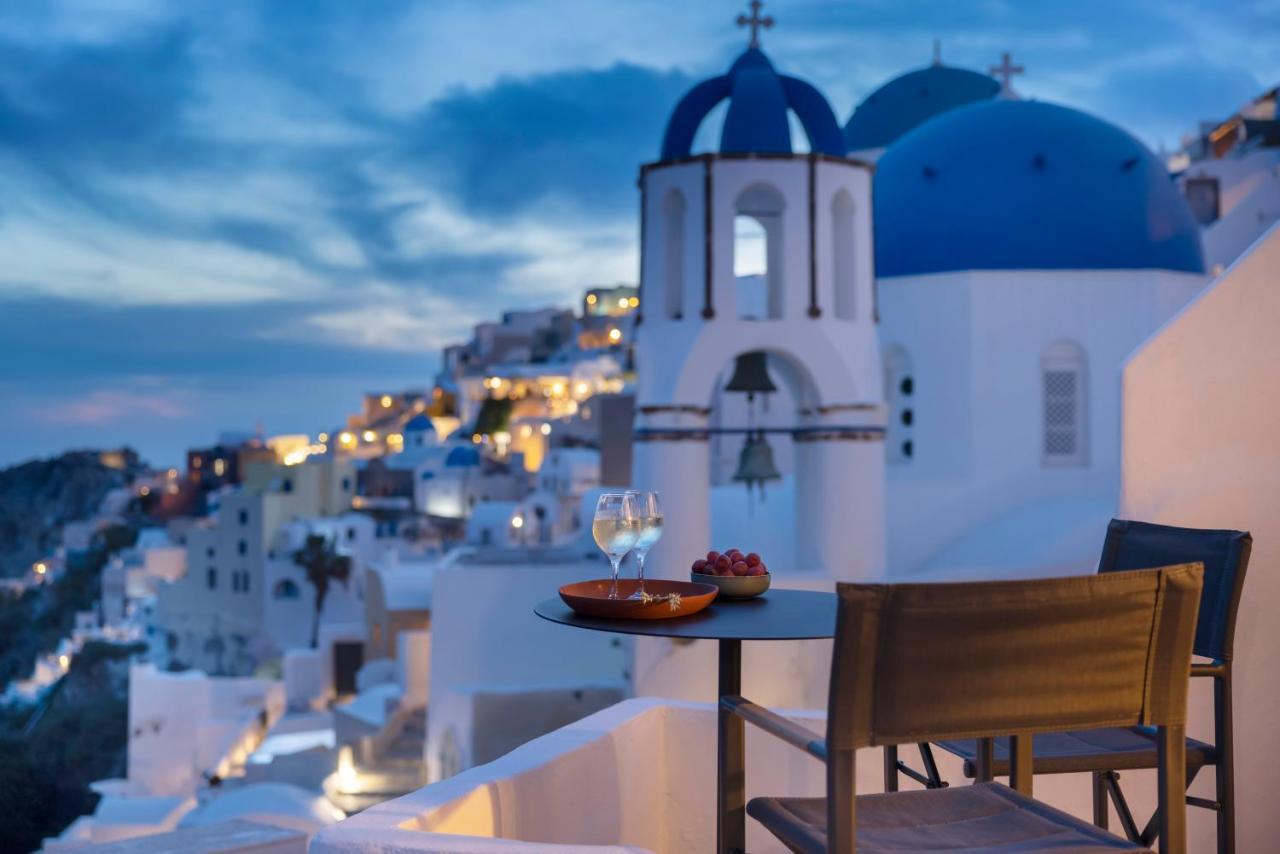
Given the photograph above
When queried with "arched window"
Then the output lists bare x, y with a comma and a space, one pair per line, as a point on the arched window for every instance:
1063, 383
673, 218
844, 275
286, 589
899, 395
757, 253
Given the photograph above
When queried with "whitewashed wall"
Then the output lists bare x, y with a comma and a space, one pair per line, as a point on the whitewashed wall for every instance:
1202, 449
975, 341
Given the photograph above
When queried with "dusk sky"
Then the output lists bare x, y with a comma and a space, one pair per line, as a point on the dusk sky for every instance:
215, 215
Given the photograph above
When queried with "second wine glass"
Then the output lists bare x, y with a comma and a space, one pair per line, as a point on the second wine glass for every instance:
649, 514
616, 528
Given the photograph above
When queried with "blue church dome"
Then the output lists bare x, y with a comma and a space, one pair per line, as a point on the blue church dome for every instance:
911, 100
462, 457
418, 423
756, 122
1025, 185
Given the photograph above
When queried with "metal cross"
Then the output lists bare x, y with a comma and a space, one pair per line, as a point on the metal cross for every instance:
755, 22
1005, 71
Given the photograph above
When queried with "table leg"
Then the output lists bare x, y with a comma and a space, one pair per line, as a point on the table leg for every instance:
731, 815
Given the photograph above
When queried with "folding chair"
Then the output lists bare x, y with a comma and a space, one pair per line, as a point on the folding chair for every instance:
922, 662
1105, 752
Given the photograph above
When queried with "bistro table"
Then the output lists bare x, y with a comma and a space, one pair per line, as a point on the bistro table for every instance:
777, 615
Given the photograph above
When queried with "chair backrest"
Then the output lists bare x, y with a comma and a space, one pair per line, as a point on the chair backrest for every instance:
1225, 555
923, 662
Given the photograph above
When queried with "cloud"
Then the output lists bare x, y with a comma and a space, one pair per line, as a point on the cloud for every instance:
573, 138
113, 405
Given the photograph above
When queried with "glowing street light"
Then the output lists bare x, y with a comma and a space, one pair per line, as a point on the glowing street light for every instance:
615, 335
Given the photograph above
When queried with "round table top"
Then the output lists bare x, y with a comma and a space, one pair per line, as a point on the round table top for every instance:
777, 615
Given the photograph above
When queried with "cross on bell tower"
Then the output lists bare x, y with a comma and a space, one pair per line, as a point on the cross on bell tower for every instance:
755, 22
1004, 73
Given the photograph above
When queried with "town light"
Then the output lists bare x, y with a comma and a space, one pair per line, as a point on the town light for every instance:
41, 568
591, 299
525, 431
369, 436
623, 302
144, 491
557, 389
386, 401
346, 438
475, 438
581, 389
615, 335
635, 302
322, 438
517, 522
546, 429
219, 467
64, 661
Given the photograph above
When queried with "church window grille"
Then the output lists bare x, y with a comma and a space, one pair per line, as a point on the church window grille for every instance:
1064, 401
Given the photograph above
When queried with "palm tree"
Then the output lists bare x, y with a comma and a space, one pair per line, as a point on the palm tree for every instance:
322, 564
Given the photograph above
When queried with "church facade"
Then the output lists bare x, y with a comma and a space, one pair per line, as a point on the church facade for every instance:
959, 372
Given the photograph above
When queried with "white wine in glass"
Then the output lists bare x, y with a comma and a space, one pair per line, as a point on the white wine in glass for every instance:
616, 528
649, 512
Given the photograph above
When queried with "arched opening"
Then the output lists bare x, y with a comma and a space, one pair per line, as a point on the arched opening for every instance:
899, 395
1064, 404
757, 253
844, 276
673, 218
285, 589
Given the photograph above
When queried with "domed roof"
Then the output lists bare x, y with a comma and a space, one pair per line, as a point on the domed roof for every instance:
418, 423
911, 100
1025, 185
462, 456
756, 122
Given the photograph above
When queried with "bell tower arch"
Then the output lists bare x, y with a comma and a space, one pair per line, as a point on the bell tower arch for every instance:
812, 315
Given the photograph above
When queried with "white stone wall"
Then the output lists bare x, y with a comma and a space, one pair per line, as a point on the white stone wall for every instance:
1201, 449
975, 341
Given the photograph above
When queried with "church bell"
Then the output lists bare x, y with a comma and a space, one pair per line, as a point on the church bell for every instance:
755, 464
751, 375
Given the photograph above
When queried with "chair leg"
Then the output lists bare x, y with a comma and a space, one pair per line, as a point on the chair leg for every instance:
1225, 768
1101, 812
1112, 781
1171, 748
891, 767
930, 767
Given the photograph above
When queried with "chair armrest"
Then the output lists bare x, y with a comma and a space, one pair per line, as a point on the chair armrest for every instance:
776, 725
1215, 669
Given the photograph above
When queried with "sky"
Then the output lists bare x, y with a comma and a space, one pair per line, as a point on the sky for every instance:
242, 214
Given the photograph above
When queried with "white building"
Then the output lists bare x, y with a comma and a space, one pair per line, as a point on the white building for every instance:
216, 617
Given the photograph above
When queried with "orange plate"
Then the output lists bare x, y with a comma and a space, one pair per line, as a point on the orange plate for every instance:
591, 598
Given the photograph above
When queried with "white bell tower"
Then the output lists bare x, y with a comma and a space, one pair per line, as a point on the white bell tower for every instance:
814, 315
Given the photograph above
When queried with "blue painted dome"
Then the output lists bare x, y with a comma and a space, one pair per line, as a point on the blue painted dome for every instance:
418, 423
911, 100
1025, 185
756, 122
462, 457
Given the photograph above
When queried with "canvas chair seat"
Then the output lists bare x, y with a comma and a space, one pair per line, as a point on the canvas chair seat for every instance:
1108, 749
981, 817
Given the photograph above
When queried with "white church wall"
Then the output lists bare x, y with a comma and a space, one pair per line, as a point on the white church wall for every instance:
1201, 404
1227, 239
976, 342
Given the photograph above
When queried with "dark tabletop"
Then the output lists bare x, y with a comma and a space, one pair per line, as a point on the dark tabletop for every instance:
777, 615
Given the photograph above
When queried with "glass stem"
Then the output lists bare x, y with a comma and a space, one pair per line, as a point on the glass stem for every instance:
640, 571
614, 561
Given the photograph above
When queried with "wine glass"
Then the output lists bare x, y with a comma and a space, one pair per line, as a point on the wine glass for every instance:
615, 528
649, 513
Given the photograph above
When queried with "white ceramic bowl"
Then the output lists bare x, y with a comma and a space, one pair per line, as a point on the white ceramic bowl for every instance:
735, 586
